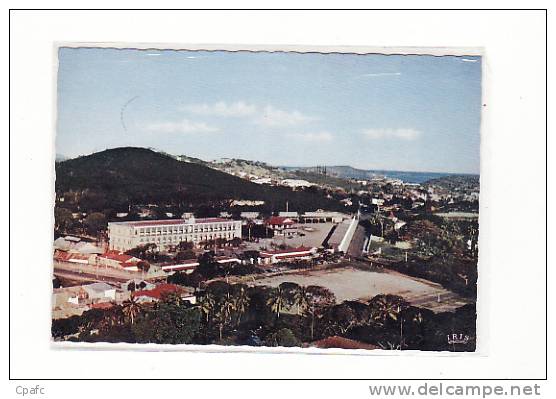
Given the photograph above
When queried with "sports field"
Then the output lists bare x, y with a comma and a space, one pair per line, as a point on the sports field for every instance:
350, 283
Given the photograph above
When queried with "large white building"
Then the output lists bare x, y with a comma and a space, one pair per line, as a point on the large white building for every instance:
166, 233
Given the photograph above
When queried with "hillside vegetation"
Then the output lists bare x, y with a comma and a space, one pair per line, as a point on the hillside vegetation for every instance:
119, 177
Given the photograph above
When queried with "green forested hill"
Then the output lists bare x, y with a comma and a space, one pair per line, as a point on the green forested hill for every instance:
137, 175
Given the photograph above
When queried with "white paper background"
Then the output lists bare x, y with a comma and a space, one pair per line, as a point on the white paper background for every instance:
512, 231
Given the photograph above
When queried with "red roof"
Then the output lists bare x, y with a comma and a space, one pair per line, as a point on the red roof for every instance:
342, 343
68, 256
173, 222
279, 220
102, 305
159, 291
118, 257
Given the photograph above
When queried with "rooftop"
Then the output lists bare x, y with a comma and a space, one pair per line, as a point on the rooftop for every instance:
171, 222
286, 251
342, 343
279, 220
160, 290
118, 257
98, 287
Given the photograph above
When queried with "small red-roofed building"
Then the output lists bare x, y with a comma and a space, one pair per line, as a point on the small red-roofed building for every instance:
161, 291
281, 225
73, 257
119, 260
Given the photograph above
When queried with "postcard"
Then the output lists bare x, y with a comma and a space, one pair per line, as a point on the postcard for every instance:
279, 197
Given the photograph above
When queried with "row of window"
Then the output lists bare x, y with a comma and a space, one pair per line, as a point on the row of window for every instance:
122, 241
182, 229
177, 239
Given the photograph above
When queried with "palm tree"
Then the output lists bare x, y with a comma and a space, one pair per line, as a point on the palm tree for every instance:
384, 307
300, 300
276, 301
207, 305
241, 302
417, 318
131, 308
227, 308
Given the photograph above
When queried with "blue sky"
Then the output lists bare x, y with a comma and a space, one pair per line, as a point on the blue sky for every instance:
413, 113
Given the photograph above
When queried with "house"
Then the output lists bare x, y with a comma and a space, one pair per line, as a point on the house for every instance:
163, 290
285, 255
73, 257
119, 259
100, 292
87, 248
70, 301
281, 225
68, 295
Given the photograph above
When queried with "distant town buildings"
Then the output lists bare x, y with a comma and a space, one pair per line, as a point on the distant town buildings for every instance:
246, 203
295, 183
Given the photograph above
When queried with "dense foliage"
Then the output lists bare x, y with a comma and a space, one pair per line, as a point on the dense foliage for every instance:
287, 315
120, 177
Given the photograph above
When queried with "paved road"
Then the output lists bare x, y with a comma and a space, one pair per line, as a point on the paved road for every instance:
87, 273
355, 248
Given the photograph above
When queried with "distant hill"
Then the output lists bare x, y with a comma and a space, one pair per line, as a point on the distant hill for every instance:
137, 175
257, 169
345, 172
349, 172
